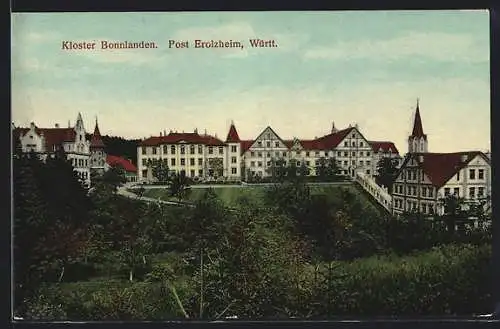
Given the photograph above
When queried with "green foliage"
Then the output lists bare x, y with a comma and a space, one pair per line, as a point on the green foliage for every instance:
160, 169
179, 185
386, 172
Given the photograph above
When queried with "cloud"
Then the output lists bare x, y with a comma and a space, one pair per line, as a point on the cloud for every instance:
437, 46
383, 111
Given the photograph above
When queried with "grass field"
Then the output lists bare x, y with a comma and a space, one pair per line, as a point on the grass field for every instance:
232, 195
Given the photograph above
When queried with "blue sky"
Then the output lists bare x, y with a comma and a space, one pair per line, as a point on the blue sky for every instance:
348, 67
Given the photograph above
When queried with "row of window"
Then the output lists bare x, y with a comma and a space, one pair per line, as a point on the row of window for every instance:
183, 149
472, 192
426, 191
79, 162
415, 174
192, 172
192, 161
472, 174
425, 208
82, 175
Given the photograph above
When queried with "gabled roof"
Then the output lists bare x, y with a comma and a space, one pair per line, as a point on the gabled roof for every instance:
331, 141
232, 136
113, 161
384, 146
245, 145
96, 140
188, 138
440, 167
53, 136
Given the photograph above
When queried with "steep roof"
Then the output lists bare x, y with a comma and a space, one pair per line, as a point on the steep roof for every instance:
384, 146
53, 136
232, 136
96, 140
418, 130
113, 161
188, 138
440, 167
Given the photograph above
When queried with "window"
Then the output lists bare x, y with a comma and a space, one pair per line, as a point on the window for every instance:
144, 162
259, 144
172, 162
353, 162
472, 192
183, 162
252, 153
368, 162
346, 144
458, 176
446, 191
233, 171
268, 154
154, 150
480, 192
200, 161
361, 144
361, 153
259, 154
345, 163
424, 208
191, 151
210, 150
298, 163
308, 163
221, 150
233, 148
307, 154
191, 172
191, 163
361, 162
480, 174
200, 172
316, 153
424, 192
268, 144
339, 153
183, 149
472, 174
430, 192
277, 144
353, 143
259, 163
165, 149
172, 149
284, 154
368, 172
431, 209
269, 163
367, 154
200, 149
456, 191
233, 159
252, 164
353, 135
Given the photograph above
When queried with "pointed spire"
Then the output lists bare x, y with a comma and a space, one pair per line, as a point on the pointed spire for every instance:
232, 135
334, 130
418, 130
69, 124
96, 140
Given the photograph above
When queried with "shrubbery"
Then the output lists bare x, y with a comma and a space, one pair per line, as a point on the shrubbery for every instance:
446, 280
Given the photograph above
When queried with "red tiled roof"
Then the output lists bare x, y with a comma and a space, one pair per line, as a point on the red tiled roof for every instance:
113, 161
384, 146
53, 136
326, 142
232, 135
440, 167
188, 138
96, 140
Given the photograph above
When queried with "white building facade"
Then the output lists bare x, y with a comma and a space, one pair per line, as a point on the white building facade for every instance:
207, 157
72, 140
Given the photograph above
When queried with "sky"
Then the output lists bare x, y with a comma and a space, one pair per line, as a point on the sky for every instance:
360, 67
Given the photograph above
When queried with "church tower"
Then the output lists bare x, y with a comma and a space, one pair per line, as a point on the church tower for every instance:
97, 152
417, 141
234, 153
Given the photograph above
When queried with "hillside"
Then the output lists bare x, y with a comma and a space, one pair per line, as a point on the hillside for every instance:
119, 146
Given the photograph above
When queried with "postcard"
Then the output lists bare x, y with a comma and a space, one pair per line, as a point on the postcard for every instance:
251, 165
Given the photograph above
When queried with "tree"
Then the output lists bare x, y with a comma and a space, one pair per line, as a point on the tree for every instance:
292, 170
179, 185
321, 169
113, 178
387, 169
160, 170
453, 211
277, 170
217, 166
332, 169
303, 170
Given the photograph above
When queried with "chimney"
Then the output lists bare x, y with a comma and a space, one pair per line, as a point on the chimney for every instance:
57, 125
160, 134
32, 125
420, 158
356, 125
464, 158
164, 132
196, 130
